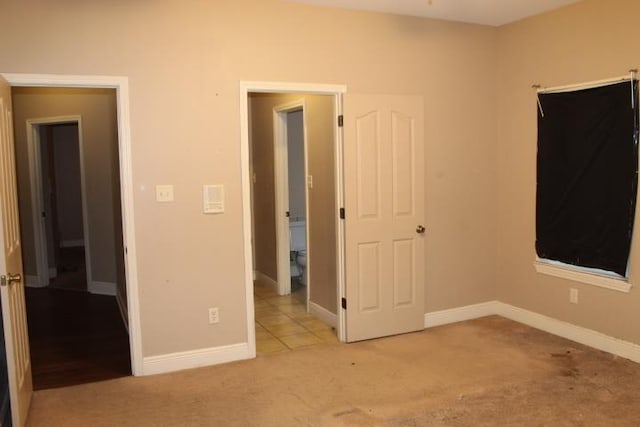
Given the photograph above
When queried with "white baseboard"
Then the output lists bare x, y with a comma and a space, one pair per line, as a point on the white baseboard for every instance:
195, 359
122, 305
459, 314
32, 282
102, 288
72, 243
53, 272
273, 285
581, 335
585, 336
323, 314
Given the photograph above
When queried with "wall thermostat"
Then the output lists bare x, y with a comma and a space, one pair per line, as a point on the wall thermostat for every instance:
213, 199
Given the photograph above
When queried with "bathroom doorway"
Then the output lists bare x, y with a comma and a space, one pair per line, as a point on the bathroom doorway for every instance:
297, 181
295, 218
291, 182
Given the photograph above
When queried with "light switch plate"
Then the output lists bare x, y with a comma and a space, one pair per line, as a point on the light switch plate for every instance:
164, 193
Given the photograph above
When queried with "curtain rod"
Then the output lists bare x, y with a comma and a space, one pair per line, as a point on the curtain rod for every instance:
586, 85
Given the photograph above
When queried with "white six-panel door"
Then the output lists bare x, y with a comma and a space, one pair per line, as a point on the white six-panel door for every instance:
11, 274
384, 202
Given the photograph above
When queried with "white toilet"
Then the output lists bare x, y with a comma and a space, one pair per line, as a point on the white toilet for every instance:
298, 248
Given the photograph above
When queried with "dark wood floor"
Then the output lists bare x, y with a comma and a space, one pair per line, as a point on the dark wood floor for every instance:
71, 270
75, 337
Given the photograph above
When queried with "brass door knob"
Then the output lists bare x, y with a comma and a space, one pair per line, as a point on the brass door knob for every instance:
10, 278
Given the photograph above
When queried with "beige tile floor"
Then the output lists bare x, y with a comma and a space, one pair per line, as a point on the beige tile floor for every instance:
283, 324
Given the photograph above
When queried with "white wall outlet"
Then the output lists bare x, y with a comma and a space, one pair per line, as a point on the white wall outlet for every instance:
214, 316
573, 296
164, 193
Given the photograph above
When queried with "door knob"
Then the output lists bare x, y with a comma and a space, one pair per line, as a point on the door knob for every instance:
420, 229
10, 278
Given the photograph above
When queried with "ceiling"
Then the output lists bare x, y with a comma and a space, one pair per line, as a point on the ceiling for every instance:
487, 12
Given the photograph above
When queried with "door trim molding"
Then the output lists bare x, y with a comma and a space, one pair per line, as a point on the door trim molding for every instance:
121, 85
273, 87
34, 149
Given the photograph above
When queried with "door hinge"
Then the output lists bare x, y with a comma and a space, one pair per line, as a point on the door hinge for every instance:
340, 120
342, 215
343, 302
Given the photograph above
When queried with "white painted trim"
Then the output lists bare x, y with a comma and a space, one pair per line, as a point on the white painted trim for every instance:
43, 272
71, 243
271, 283
196, 358
53, 272
121, 84
323, 314
246, 178
553, 326
102, 288
340, 223
268, 87
572, 332
285, 87
460, 314
620, 285
122, 305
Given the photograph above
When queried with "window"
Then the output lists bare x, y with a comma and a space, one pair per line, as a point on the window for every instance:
587, 176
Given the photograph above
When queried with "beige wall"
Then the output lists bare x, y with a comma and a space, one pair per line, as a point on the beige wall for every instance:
263, 189
321, 217
591, 40
184, 61
97, 108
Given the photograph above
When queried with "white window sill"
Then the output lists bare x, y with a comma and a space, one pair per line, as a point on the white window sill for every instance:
620, 285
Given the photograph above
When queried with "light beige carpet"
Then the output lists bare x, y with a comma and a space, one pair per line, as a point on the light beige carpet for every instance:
486, 372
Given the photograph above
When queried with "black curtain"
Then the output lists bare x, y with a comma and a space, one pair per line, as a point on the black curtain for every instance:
587, 176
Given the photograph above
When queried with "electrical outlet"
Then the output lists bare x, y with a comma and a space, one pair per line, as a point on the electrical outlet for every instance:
214, 316
573, 296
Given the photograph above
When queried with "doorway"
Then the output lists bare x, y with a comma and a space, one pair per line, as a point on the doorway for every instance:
128, 296
291, 182
294, 216
59, 203
67, 140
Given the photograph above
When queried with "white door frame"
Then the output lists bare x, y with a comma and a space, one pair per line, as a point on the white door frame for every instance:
34, 148
281, 167
247, 87
121, 85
